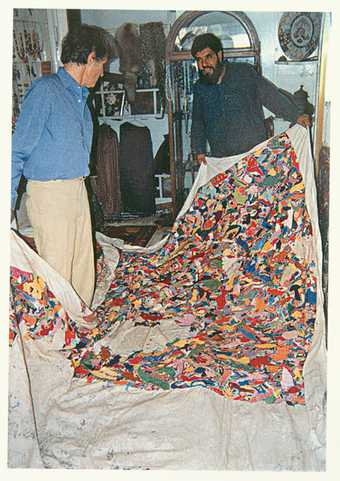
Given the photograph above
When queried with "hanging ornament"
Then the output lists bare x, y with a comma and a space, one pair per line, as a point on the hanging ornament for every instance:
36, 50
28, 43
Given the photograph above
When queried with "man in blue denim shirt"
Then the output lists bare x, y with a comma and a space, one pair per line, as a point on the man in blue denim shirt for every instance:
228, 103
51, 149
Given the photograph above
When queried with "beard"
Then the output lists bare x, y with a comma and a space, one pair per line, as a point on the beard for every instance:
212, 77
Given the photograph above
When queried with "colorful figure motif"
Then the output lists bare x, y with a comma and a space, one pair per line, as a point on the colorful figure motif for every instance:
238, 270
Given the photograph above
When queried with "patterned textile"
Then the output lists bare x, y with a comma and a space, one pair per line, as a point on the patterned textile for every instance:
237, 271
153, 42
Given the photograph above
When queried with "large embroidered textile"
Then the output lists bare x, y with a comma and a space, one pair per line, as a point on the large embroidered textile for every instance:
236, 278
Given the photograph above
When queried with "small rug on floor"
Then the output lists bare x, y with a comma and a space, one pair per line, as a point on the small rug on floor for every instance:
138, 235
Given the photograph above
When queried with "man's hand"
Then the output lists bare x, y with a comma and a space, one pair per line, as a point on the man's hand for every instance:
201, 158
304, 120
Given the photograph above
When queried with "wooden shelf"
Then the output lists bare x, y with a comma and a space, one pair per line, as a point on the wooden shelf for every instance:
300, 62
124, 110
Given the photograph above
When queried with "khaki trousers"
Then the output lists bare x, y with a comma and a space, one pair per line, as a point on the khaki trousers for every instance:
60, 217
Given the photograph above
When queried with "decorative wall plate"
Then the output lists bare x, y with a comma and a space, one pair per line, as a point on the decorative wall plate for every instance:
299, 33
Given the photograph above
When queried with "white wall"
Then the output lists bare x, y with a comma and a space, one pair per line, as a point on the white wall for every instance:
289, 77
57, 25
111, 19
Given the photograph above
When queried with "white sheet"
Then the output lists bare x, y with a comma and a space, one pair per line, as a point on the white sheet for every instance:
98, 425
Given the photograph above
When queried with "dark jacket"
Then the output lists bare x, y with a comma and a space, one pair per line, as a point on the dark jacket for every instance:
230, 115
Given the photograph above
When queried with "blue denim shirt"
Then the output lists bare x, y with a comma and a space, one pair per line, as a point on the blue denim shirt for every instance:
53, 134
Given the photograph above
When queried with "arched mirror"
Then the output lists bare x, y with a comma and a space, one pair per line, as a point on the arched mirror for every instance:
240, 44
227, 26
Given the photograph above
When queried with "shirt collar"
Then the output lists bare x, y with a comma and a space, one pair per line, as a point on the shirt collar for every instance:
71, 84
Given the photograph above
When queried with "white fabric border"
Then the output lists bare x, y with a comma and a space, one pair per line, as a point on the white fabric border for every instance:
103, 426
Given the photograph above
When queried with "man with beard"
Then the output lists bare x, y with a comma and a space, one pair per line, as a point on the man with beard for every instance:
228, 103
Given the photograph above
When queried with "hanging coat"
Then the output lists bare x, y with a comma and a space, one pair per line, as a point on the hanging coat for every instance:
107, 165
137, 170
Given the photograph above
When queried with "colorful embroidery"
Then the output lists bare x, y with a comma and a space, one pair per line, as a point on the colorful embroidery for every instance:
237, 272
